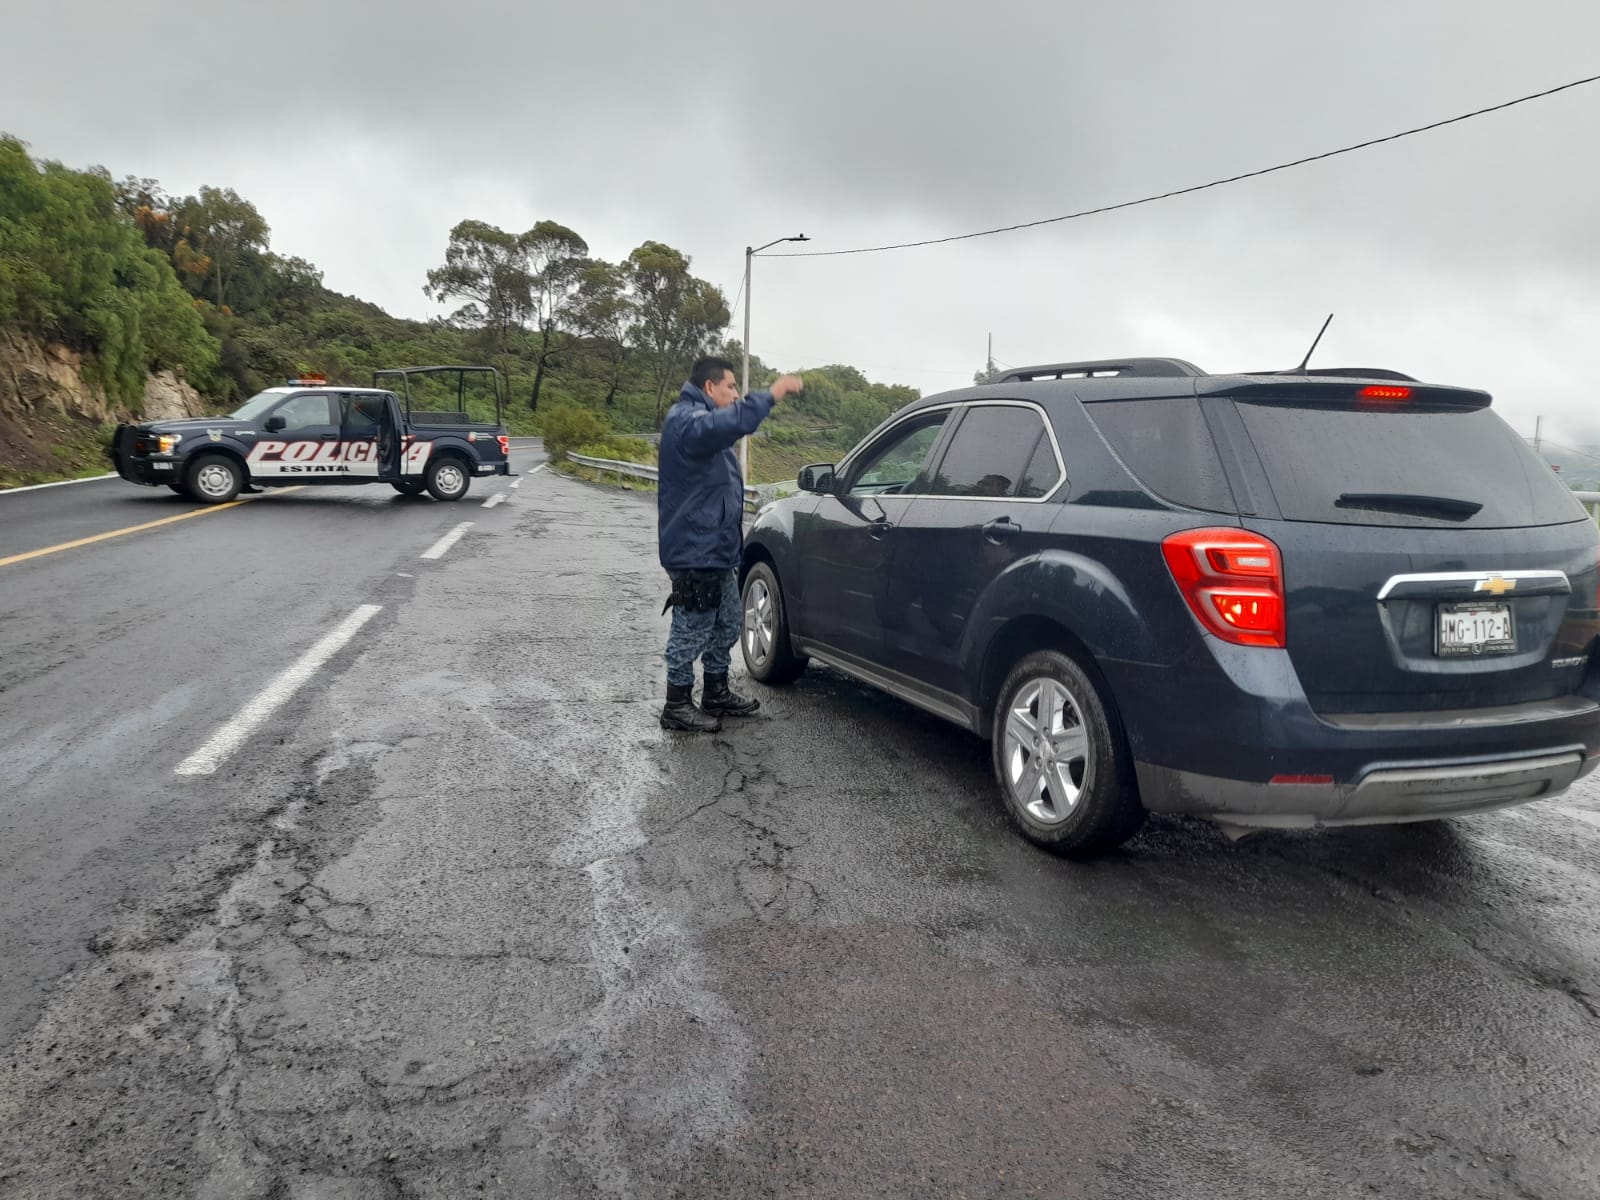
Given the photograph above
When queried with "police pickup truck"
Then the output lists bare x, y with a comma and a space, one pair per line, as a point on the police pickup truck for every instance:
309, 432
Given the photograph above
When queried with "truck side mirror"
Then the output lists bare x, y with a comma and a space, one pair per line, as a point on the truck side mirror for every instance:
274, 424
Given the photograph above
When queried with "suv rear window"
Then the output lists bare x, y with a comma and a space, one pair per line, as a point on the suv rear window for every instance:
1430, 467
1166, 444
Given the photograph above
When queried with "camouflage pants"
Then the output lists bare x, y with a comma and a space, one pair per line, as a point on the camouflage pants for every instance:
708, 636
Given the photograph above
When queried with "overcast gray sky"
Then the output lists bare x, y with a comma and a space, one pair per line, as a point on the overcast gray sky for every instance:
363, 132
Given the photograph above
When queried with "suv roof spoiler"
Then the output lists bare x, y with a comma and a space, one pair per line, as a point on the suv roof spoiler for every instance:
1348, 390
1107, 368
1343, 373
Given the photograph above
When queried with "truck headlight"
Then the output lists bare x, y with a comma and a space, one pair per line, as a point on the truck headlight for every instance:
168, 443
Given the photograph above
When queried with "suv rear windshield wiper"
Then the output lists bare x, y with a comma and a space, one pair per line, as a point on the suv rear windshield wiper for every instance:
1446, 507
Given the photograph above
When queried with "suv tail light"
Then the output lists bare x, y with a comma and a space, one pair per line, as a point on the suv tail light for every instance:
1233, 582
505, 445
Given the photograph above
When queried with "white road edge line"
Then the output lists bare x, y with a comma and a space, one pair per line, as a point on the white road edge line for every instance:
231, 736
497, 498
34, 487
450, 539
1581, 814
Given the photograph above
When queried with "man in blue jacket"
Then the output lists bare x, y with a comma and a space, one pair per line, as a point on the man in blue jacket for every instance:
701, 508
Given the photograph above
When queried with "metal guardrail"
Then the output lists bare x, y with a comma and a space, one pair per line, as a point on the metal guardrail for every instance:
619, 469
754, 496
1591, 503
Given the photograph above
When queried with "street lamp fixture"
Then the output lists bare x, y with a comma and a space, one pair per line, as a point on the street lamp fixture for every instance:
744, 382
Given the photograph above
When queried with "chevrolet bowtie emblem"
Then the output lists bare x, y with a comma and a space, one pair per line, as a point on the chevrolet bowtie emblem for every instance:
1496, 585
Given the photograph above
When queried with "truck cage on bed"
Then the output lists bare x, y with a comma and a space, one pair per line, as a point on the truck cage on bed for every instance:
402, 377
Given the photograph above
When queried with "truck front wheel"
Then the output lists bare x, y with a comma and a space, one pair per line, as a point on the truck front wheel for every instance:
214, 478
408, 487
447, 478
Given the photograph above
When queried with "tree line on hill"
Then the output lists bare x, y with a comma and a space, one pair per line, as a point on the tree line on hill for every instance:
140, 280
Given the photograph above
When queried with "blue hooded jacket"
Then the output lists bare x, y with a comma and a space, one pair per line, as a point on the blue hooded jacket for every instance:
700, 497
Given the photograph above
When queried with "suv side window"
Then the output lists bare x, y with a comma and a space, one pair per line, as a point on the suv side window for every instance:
1164, 441
894, 465
1043, 472
998, 450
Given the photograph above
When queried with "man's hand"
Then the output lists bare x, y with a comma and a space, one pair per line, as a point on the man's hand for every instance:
787, 386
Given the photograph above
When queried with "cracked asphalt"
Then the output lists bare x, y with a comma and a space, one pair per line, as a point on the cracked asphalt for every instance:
464, 921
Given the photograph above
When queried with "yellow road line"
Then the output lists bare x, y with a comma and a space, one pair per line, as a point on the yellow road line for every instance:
116, 533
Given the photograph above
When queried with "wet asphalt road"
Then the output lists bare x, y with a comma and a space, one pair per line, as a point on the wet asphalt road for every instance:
459, 919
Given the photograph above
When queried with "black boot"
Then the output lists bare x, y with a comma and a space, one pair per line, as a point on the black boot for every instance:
680, 712
716, 697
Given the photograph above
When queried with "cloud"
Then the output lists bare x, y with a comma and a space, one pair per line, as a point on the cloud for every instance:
1466, 254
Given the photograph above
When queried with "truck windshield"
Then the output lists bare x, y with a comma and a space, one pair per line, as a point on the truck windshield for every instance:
256, 405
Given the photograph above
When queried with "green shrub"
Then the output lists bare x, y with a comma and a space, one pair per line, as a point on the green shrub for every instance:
567, 427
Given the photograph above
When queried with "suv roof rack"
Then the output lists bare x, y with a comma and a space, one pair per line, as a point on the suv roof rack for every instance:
1107, 368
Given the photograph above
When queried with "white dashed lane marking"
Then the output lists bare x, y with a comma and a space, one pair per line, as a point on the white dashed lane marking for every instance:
450, 539
231, 736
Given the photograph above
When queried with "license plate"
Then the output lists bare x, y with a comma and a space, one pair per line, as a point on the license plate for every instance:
1475, 629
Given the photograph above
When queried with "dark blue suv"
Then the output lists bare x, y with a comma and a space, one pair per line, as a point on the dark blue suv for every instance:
1327, 597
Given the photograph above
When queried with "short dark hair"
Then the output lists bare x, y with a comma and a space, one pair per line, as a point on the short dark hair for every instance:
708, 370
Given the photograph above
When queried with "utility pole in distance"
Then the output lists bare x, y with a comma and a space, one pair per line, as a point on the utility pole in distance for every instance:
744, 381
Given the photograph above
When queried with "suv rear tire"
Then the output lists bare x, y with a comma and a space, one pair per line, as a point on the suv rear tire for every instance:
1061, 759
764, 635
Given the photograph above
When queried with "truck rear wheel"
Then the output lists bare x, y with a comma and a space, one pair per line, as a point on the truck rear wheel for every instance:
447, 479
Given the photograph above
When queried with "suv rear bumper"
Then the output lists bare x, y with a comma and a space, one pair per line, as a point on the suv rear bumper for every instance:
1210, 740
1384, 795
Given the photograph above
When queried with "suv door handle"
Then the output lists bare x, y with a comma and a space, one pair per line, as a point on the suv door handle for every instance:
1000, 528
878, 529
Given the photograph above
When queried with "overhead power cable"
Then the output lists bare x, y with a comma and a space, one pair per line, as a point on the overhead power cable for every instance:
1568, 449
1199, 187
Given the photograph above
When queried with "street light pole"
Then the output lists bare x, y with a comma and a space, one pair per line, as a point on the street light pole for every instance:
744, 383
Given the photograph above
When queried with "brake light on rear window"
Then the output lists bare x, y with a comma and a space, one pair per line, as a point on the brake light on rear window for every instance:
1232, 581
1382, 395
